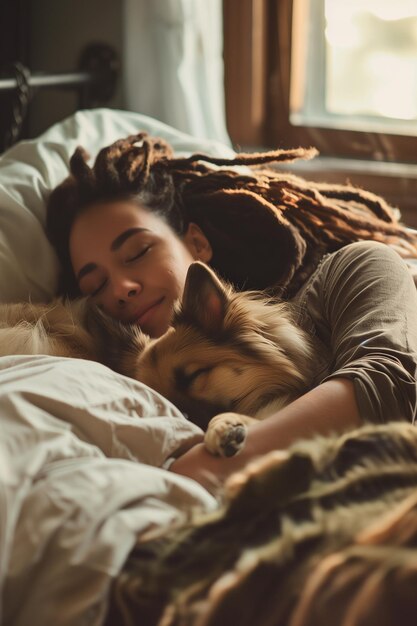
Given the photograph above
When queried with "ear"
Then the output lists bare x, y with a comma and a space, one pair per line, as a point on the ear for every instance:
205, 299
197, 243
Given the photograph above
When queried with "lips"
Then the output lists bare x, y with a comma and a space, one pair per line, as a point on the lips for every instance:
145, 313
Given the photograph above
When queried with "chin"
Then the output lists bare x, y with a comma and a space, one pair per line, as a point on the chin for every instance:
156, 328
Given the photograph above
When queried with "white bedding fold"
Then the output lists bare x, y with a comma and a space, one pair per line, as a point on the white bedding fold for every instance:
80, 455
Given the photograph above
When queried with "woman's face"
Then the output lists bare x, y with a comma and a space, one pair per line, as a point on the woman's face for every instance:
132, 264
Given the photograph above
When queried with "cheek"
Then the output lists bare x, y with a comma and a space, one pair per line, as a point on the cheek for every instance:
108, 306
177, 272
175, 281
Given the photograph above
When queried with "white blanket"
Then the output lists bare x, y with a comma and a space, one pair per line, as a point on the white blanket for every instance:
81, 452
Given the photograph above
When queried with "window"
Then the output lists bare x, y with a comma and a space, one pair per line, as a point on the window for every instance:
337, 74
357, 66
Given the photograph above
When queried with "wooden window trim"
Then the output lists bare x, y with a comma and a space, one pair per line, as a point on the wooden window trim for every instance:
258, 37
245, 69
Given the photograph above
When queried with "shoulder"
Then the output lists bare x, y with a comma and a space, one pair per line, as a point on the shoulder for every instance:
366, 258
363, 251
362, 266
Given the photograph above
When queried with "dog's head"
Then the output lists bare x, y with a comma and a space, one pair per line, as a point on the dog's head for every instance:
225, 351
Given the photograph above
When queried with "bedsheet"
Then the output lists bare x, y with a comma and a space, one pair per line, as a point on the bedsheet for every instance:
82, 455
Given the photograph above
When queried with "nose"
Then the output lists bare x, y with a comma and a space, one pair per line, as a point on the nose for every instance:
125, 289
130, 294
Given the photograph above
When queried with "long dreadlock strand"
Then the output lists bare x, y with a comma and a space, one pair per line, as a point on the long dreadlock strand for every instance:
379, 206
80, 169
106, 166
142, 175
128, 166
354, 213
255, 158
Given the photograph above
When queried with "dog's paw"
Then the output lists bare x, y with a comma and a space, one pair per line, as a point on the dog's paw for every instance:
226, 434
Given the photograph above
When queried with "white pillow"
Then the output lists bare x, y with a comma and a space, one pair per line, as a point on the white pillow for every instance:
30, 169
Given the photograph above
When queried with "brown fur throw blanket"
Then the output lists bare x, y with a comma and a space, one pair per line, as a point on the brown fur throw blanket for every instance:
325, 533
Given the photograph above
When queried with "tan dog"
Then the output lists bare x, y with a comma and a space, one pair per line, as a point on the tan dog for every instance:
55, 329
226, 351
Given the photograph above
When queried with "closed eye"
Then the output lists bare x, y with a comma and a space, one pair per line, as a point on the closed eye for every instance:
99, 288
184, 379
138, 255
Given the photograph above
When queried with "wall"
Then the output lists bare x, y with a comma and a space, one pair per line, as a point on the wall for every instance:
59, 31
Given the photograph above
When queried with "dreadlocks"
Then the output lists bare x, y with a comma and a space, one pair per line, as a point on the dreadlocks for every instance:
268, 229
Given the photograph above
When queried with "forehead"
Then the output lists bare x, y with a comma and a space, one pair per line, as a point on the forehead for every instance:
95, 229
98, 225
112, 216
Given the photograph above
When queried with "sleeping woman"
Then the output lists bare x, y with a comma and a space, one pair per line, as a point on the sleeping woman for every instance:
127, 229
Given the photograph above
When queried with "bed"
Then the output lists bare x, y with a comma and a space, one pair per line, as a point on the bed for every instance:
88, 509
83, 450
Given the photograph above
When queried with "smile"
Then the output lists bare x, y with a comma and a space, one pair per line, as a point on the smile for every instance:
142, 317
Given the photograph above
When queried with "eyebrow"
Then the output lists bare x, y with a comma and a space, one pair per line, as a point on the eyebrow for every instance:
116, 244
120, 239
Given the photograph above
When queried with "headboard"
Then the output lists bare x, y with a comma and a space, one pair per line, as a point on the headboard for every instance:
94, 80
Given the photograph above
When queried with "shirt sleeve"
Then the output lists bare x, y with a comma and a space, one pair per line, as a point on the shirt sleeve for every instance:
370, 308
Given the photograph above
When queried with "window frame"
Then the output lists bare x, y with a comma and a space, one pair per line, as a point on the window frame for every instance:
258, 48
335, 140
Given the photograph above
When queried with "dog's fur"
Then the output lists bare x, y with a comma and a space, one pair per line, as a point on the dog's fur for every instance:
56, 329
226, 351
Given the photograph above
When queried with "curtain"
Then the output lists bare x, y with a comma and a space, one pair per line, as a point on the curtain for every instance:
173, 64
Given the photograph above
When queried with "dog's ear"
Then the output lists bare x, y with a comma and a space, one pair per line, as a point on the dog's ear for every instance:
118, 345
205, 299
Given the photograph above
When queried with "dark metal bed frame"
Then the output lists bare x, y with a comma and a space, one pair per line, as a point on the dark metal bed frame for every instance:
95, 82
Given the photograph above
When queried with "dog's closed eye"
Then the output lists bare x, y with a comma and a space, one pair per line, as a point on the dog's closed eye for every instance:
184, 379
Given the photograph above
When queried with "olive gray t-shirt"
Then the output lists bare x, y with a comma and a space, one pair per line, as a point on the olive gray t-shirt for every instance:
360, 306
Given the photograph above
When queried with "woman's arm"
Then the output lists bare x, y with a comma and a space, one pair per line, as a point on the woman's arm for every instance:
328, 408
363, 304
364, 307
